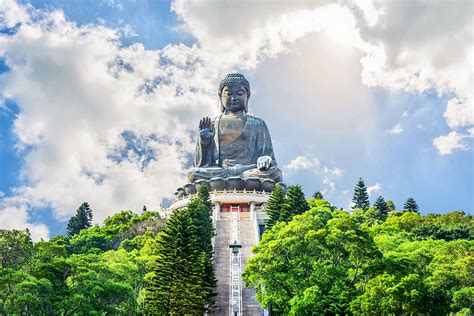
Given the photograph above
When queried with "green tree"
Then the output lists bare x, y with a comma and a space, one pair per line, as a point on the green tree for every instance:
388, 294
418, 274
391, 206
16, 248
361, 197
204, 197
410, 205
318, 195
102, 284
176, 286
382, 208
312, 264
23, 294
274, 206
80, 221
450, 226
295, 203
200, 210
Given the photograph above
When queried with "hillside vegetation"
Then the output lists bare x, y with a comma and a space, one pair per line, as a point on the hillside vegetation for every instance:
313, 259
371, 261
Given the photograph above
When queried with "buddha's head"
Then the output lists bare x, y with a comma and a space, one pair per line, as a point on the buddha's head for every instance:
234, 92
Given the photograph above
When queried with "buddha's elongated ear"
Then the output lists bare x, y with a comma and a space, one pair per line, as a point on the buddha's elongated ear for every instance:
220, 101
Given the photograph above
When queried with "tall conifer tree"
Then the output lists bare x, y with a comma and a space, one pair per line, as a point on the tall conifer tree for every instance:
391, 206
295, 203
381, 207
410, 205
203, 195
80, 221
200, 210
274, 206
176, 287
361, 197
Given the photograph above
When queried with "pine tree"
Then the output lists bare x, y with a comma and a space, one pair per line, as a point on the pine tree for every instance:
361, 197
200, 210
318, 195
382, 208
410, 205
176, 286
391, 206
274, 206
203, 195
295, 203
80, 221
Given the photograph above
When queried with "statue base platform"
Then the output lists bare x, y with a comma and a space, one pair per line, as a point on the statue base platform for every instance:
229, 184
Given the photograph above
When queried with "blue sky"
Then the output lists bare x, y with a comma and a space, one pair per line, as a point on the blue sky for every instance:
345, 91
152, 22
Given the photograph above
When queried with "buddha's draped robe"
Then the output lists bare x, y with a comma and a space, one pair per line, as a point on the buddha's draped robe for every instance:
238, 158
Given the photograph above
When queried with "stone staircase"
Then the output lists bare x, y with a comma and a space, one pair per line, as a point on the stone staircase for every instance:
221, 263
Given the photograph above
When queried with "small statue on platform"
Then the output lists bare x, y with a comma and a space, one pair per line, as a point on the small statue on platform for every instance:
234, 143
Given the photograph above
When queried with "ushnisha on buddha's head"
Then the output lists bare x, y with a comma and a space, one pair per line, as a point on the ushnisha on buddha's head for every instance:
234, 92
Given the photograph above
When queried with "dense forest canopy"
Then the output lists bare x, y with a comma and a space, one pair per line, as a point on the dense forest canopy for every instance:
313, 259
328, 261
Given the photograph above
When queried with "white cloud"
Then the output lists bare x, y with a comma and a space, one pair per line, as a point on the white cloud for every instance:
329, 186
16, 217
328, 174
458, 114
448, 143
98, 122
302, 162
374, 188
11, 14
371, 14
79, 90
418, 60
405, 114
397, 129
395, 59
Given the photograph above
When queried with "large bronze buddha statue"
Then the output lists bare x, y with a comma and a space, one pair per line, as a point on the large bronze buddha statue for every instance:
234, 144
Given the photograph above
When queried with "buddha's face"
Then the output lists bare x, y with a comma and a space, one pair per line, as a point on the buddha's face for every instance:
234, 98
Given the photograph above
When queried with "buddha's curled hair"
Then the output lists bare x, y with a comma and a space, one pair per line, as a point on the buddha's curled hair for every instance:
234, 79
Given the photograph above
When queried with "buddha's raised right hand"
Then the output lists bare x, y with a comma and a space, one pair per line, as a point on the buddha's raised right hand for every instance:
206, 130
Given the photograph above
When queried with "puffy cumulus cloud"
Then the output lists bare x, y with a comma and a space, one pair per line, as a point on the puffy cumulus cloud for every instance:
302, 162
248, 32
374, 188
111, 124
410, 46
424, 45
449, 143
11, 14
97, 121
458, 114
16, 217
